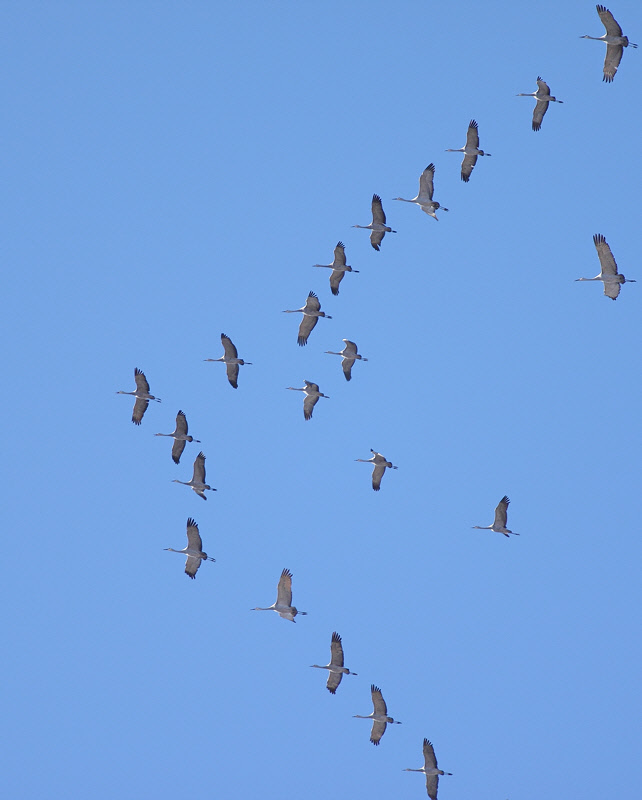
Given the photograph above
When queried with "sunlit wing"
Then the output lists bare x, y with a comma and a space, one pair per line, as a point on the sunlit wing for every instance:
378, 214
194, 541
607, 262
305, 329
177, 450
339, 255
501, 515
199, 468
284, 589
377, 475
141, 381
140, 407
191, 566
181, 423
541, 107
233, 374
309, 403
335, 279
334, 679
467, 166
426, 182
336, 651
228, 347
378, 730
346, 365
376, 237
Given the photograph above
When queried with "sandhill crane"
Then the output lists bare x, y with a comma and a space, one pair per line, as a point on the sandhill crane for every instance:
608, 269
193, 551
379, 715
335, 667
430, 770
311, 312
283, 605
543, 97
615, 43
231, 360
426, 189
470, 150
142, 396
338, 267
501, 517
198, 478
180, 437
312, 395
380, 463
378, 225
350, 355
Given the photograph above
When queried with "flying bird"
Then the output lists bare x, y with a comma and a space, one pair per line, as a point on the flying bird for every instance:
378, 225
180, 437
312, 395
311, 312
426, 190
615, 43
470, 150
231, 360
350, 355
142, 396
430, 770
379, 715
198, 478
338, 267
608, 269
335, 667
193, 551
380, 464
283, 605
543, 97
501, 517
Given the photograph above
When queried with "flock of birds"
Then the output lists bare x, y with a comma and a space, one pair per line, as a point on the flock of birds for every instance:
311, 312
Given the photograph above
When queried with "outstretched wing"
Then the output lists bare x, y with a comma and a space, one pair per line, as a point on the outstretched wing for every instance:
612, 27
309, 403
340, 255
194, 541
191, 566
611, 289
501, 515
335, 279
377, 475
467, 166
378, 214
378, 730
541, 107
426, 182
233, 374
140, 407
346, 365
312, 303
472, 135
377, 701
305, 329
181, 423
284, 589
228, 347
607, 262
199, 468
177, 450
376, 237
336, 650
141, 381
334, 679
614, 53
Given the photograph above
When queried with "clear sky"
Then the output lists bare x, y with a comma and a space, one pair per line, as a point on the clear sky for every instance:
171, 171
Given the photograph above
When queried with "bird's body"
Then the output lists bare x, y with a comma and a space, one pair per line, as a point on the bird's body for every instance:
198, 478
379, 715
608, 269
193, 551
283, 605
231, 360
378, 225
470, 150
349, 355
615, 43
380, 463
142, 395
180, 437
430, 770
426, 190
335, 667
501, 518
338, 267
312, 395
543, 98
311, 312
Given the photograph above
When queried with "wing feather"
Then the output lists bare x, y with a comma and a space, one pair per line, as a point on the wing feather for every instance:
336, 651
340, 254
347, 365
181, 423
426, 182
609, 22
141, 381
228, 347
430, 760
233, 374
377, 475
312, 303
194, 541
467, 166
607, 261
501, 515
472, 135
377, 701
334, 679
191, 566
309, 403
378, 730
335, 279
376, 237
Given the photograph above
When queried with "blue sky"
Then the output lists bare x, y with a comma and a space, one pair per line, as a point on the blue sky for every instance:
171, 172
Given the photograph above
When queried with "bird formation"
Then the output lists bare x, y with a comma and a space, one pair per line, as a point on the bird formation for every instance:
311, 311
